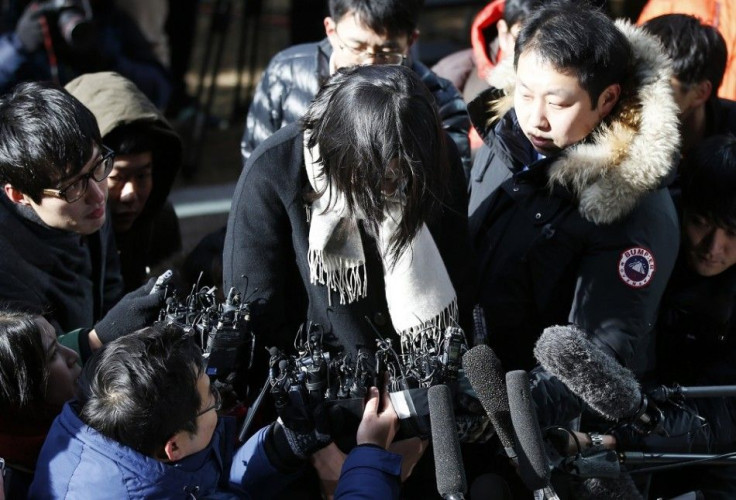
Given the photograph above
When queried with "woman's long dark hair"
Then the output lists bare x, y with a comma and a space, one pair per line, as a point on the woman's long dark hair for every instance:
23, 364
363, 119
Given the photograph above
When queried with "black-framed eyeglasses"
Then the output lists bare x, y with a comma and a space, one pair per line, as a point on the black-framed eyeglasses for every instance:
76, 189
217, 404
394, 58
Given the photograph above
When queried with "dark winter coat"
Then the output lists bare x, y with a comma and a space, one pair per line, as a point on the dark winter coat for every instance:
76, 277
267, 243
588, 236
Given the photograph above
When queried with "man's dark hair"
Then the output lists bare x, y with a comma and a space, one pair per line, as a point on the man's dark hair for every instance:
364, 118
141, 389
516, 11
46, 136
708, 179
23, 364
580, 40
698, 51
384, 17
132, 138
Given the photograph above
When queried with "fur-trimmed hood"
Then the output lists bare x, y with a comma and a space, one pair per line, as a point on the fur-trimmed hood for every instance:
632, 151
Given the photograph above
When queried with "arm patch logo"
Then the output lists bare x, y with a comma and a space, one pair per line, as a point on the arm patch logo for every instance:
636, 267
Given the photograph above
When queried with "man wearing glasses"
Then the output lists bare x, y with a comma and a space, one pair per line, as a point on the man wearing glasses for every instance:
358, 32
57, 246
148, 154
146, 425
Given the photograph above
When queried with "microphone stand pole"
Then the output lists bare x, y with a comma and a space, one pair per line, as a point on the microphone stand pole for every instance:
642, 458
706, 391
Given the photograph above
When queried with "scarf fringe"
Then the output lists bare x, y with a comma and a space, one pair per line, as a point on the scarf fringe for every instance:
345, 276
447, 317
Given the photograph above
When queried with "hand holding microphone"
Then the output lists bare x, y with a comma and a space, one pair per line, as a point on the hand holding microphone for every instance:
378, 426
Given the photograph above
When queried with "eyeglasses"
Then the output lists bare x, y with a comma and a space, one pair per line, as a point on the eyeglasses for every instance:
218, 401
76, 189
362, 56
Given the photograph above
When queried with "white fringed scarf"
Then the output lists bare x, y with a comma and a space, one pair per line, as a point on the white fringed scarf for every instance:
419, 292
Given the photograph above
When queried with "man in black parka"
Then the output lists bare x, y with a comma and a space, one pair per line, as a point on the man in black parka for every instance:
569, 211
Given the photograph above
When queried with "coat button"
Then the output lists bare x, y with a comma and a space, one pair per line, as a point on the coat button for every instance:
538, 216
379, 319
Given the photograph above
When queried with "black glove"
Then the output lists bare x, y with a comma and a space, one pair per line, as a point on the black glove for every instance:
136, 310
29, 30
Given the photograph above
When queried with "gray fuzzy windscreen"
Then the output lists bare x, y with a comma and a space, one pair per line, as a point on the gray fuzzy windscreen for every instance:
609, 388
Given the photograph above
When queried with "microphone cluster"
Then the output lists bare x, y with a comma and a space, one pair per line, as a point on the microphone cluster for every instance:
221, 329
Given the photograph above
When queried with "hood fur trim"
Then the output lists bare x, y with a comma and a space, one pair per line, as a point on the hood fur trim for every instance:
633, 150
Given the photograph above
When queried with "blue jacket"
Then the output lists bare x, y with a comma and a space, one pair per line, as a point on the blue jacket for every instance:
78, 462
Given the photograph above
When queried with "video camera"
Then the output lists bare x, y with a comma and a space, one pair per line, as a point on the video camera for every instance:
73, 20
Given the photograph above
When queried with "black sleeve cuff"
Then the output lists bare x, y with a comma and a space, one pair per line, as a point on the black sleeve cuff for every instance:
278, 450
85, 351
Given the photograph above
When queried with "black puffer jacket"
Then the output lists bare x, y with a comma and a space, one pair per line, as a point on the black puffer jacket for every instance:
294, 76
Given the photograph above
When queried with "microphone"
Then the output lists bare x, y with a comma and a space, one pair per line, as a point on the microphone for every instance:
605, 385
448, 460
480, 330
534, 466
161, 281
485, 374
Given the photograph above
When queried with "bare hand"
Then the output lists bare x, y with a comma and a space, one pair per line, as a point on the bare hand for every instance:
378, 428
411, 450
328, 464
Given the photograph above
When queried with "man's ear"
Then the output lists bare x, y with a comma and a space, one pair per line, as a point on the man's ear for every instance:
413, 37
15, 196
503, 37
329, 26
608, 99
703, 91
173, 449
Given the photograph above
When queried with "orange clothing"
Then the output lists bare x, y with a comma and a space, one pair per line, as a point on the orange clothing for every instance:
718, 13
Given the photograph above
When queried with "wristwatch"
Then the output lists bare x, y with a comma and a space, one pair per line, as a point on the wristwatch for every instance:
596, 439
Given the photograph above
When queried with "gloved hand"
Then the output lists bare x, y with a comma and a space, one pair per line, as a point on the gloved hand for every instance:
136, 310
302, 414
28, 29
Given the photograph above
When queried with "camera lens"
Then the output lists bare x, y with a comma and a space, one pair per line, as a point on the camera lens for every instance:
76, 29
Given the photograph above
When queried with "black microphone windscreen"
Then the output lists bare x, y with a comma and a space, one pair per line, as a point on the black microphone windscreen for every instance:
448, 459
604, 384
534, 467
485, 373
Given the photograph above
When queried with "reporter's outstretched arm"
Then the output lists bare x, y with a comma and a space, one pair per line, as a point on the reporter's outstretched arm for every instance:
137, 309
265, 465
370, 471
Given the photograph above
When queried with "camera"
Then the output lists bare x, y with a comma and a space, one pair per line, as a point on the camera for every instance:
73, 19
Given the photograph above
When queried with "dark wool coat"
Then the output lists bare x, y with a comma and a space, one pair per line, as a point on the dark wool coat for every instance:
267, 242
